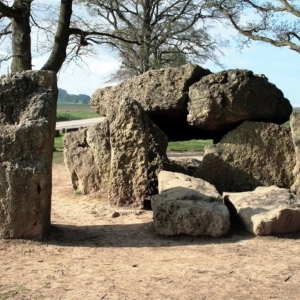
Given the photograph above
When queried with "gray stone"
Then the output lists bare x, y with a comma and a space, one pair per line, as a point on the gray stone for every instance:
162, 93
254, 154
114, 154
98, 140
267, 210
28, 116
295, 129
129, 139
188, 205
221, 101
80, 161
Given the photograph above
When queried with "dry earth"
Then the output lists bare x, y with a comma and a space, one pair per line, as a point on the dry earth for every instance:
88, 254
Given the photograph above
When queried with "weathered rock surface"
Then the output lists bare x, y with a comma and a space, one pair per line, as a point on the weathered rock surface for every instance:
188, 205
81, 163
267, 210
295, 129
129, 139
162, 93
98, 139
221, 101
28, 116
124, 153
254, 154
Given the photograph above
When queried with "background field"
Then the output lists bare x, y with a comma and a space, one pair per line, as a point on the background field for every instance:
73, 107
68, 112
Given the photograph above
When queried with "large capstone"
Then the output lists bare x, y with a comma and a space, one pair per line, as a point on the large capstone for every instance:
221, 101
28, 116
162, 93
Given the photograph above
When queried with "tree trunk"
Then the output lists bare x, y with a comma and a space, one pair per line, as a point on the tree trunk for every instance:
21, 41
58, 54
146, 32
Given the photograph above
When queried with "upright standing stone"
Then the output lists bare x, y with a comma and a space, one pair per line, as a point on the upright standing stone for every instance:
28, 110
129, 139
295, 129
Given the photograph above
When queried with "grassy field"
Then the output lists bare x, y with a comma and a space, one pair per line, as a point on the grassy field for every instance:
192, 145
75, 115
73, 107
69, 112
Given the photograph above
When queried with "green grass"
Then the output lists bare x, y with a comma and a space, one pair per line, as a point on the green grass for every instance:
58, 156
58, 142
66, 115
192, 145
72, 107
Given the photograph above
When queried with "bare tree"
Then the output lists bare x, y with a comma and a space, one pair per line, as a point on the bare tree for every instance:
16, 22
275, 22
149, 34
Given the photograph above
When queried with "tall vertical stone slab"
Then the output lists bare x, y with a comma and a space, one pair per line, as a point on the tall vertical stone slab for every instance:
27, 127
129, 139
295, 129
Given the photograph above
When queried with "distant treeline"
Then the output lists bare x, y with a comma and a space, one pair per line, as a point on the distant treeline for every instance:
64, 97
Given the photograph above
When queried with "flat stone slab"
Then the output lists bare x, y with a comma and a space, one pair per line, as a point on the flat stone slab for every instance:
267, 210
188, 205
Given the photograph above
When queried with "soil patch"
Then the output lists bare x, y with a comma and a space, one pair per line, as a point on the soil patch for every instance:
91, 253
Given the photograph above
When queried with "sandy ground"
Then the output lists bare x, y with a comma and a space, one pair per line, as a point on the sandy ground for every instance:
89, 254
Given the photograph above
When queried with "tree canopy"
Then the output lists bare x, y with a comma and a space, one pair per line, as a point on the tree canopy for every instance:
149, 34
275, 22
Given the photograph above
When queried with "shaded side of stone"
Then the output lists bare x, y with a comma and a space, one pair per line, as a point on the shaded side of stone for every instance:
157, 156
254, 154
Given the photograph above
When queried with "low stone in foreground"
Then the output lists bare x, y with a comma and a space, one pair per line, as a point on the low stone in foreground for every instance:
188, 205
267, 210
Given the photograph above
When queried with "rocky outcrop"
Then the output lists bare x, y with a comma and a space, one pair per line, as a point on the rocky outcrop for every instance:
28, 113
162, 93
123, 154
254, 154
188, 205
295, 129
267, 210
221, 101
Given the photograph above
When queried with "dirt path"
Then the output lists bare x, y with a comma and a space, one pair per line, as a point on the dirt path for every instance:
88, 254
